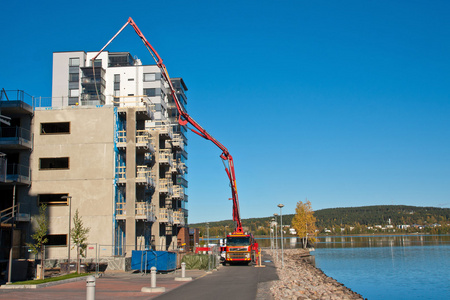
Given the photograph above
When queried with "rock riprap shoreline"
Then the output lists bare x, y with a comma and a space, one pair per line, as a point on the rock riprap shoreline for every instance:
299, 279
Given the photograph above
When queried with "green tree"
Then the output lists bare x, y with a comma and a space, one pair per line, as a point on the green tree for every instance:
79, 235
40, 236
304, 222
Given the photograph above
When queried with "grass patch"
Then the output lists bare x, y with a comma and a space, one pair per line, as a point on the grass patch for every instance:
63, 277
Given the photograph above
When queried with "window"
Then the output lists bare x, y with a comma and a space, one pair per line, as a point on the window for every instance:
149, 77
74, 62
56, 240
74, 77
53, 163
116, 77
130, 79
52, 199
74, 93
61, 127
152, 92
97, 63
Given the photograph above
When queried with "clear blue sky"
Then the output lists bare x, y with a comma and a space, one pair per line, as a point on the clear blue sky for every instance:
345, 103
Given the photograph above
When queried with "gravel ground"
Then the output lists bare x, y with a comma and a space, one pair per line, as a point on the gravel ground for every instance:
301, 280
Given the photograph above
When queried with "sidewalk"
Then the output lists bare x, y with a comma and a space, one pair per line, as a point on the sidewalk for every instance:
121, 285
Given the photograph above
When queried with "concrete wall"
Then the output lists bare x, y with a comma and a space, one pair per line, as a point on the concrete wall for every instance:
90, 177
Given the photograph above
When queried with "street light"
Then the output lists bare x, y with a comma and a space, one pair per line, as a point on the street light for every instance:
272, 237
69, 199
281, 226
276, 233
207, 244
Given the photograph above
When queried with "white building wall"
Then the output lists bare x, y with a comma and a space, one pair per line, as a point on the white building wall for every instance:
60, 76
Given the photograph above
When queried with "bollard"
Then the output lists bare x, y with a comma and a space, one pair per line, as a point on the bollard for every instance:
153, 277
153, 288
183, 274
90, 288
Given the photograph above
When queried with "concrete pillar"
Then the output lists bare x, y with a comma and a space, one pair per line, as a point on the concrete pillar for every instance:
130, 225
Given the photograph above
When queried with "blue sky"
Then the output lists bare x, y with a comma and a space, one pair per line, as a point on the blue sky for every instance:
345, 103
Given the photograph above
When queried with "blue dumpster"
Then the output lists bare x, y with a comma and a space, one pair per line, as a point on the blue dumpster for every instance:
145, 259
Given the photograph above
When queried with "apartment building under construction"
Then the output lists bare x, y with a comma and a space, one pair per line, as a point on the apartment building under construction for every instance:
109, 145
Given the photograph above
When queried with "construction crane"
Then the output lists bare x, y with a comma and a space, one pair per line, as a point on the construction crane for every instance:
184, 118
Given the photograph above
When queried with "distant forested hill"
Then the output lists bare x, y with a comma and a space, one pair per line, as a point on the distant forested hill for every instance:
346, 216
380, 215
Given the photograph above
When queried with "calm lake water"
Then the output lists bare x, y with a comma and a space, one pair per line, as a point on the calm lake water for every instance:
385, 267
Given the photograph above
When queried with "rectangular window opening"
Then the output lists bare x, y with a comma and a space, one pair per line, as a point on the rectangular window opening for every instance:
53, 199
56, 240
55, 128
53, 163
74, 62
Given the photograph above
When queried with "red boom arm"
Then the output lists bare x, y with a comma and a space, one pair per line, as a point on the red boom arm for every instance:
185, 118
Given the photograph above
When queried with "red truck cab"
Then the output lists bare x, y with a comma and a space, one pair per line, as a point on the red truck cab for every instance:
240, 248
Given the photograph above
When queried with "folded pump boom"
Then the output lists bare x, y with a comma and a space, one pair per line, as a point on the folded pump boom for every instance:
185, 118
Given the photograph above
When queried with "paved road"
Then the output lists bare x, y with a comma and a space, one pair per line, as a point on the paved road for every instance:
229, 282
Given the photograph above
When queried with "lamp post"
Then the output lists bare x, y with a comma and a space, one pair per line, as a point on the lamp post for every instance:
69, 199
272, 244
207, 244
281, 228
276, 233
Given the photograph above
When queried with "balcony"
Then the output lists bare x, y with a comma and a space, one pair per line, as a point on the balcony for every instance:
92, 99
165, 131
145, 211
18, 173
183, 169
15, 138
91, 80
143, 176
165, 157
178, 142
121, 139
120, 211
165, 186
143, 140
178, 218
182, 181
6, 215
166, 216
121, 174
178, 192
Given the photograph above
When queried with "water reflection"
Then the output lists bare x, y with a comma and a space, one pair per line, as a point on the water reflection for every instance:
362, 241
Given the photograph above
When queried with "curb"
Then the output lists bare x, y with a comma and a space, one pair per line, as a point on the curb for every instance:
42, 285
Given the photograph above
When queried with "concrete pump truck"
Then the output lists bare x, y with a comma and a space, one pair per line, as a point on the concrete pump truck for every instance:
240, 246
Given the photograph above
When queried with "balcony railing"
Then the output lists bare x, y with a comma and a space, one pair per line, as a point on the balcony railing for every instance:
166, 131
121, 174
18, 173
178, 218
120, 211
178, 141
165, 186
178, 192
143, 175
121, 138
166, 215
145, 211
92, 80
182, 181
143, 139
165, 157
15, 136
